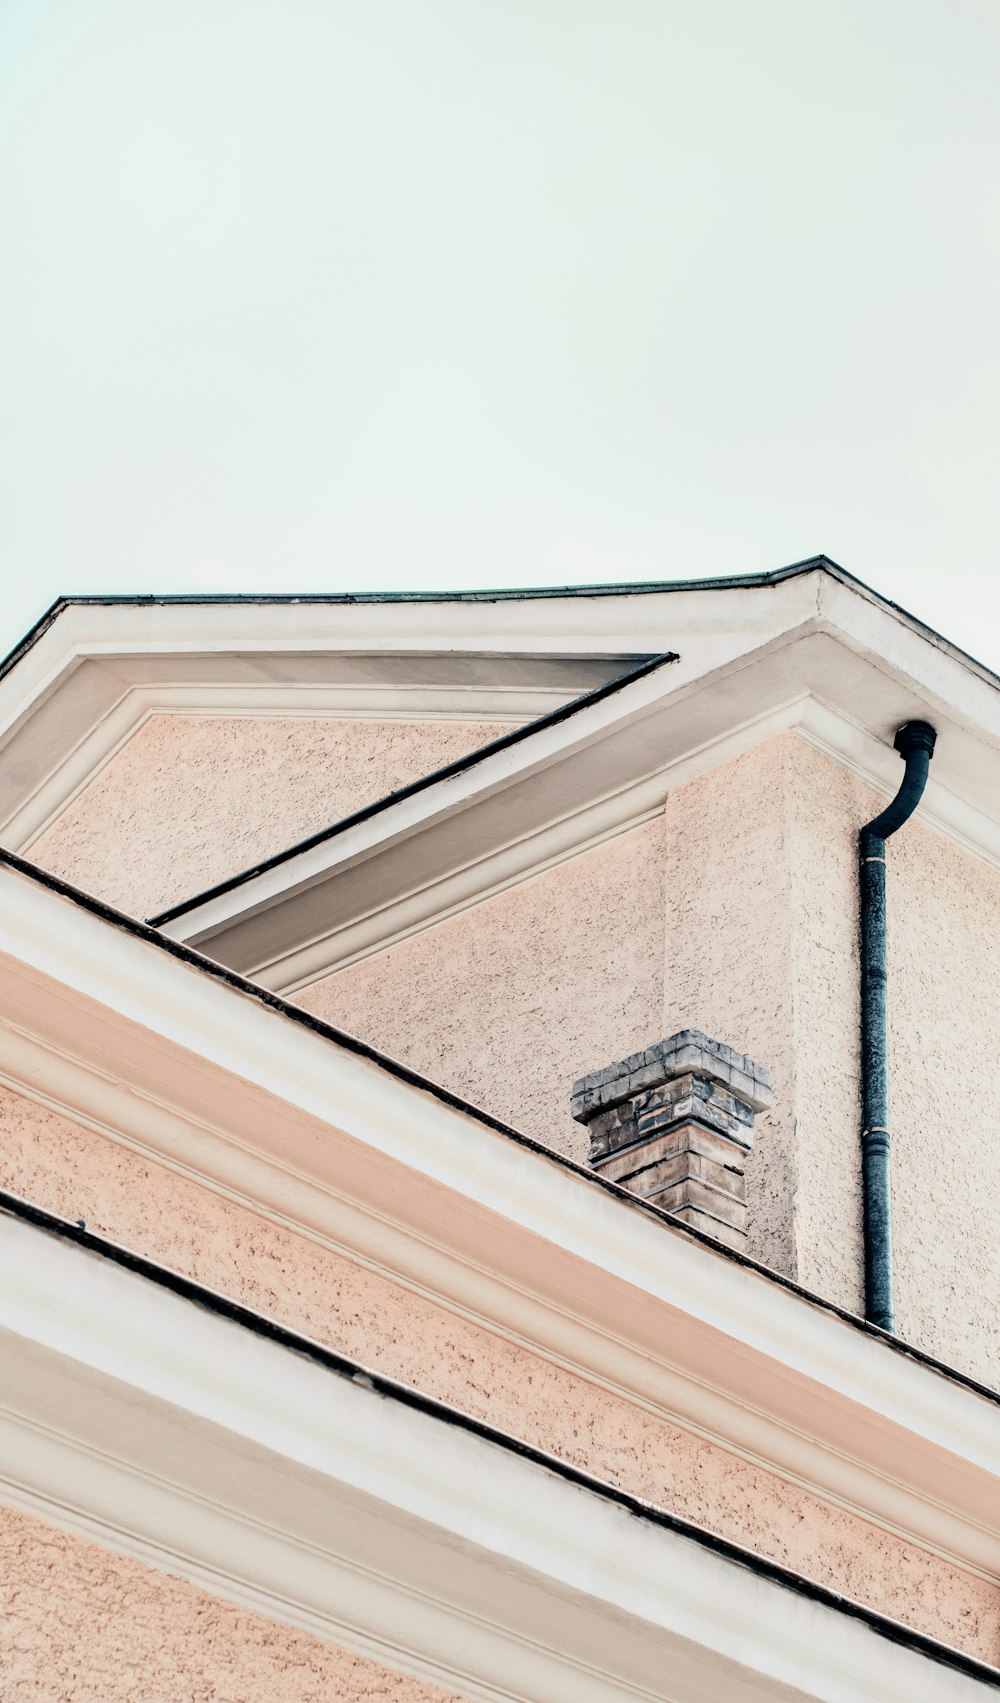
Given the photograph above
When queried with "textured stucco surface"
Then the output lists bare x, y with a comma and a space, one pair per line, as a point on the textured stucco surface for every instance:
189, 800
944, 1001
762, 951
508, 1003
83, 1624
827, 805
728, 957
81, 1174
753, 870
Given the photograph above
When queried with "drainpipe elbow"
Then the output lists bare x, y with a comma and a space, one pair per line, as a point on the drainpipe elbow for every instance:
915, 742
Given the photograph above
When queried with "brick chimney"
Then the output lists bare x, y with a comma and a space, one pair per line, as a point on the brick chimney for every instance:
674, 1125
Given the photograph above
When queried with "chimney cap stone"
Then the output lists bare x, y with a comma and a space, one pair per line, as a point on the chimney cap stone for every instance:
688, 1052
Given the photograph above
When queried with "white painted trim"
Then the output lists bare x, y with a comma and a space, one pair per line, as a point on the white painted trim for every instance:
93, 676
63, 783
941, 808
456, 890
191, 1073
416, 863
318, 1500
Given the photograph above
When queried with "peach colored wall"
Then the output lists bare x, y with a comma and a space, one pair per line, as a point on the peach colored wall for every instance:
189, 800
944, 994
80, 1174
753, 870
83, 1624
508, 1003
728, 954
762, 950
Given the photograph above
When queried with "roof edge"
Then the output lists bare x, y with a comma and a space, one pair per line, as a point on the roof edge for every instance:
404, 1073
458, 766
339, 1365
764, 579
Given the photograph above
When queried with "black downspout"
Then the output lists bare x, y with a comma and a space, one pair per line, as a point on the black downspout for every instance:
915, 744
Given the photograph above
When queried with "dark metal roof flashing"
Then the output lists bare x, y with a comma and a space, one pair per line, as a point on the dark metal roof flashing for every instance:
403, 1073
552, 718
733, 582
389, 1389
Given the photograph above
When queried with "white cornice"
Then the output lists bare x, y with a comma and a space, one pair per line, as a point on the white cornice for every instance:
93, 676
97, 669
254, 1103
321, 1500
845, 681
84, 750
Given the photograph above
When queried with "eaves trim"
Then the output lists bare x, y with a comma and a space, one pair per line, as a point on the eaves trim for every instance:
720, 582
460, 765
401, 1072
340, 1366
502, 594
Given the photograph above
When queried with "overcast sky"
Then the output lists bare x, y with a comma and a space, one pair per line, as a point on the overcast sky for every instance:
443, 293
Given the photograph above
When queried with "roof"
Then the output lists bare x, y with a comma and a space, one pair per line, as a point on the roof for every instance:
269, 1106
498, 594
581, 669
332, 1426
816, 653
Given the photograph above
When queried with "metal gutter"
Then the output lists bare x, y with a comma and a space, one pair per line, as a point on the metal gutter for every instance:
403, 1073
340, 1366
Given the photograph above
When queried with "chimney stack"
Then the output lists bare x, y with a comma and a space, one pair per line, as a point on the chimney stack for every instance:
674, 1125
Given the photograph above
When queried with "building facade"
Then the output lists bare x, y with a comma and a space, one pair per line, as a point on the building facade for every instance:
433, 1219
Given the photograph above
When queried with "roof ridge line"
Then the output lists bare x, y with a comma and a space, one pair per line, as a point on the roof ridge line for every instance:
496, 594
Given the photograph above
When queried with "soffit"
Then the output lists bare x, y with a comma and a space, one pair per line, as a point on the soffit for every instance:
57, 733
91, 670
331, 1499
813, 653
153, 1048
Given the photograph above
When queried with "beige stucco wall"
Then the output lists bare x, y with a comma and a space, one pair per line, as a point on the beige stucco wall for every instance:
189, 800
944, 1000
508, 1003
762, 951
728, 957
82, 1624
81, 1174
686, 922
737, 914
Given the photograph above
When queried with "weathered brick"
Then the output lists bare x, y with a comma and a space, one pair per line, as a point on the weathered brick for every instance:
674, 1124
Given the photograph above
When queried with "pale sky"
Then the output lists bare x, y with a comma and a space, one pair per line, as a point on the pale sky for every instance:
443, 293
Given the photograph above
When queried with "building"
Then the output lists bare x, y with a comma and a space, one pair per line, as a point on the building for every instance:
432, 1232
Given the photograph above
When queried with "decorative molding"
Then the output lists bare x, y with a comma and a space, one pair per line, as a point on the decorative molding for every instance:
322, 1499
94, 675
975, 829
58, 788
253, 1102
97, 670
263, 927
460, 888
